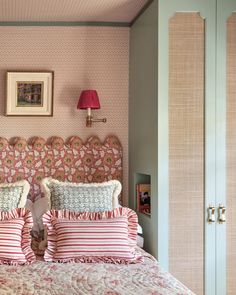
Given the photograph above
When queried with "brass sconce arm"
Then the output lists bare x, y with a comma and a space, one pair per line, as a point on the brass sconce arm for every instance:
90, 120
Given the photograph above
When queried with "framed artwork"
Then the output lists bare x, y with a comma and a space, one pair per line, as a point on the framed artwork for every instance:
143, 198
29, 94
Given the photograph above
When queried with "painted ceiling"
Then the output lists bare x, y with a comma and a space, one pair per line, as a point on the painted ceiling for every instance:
70, 10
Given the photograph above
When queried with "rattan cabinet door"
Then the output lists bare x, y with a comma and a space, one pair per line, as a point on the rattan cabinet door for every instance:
186, 148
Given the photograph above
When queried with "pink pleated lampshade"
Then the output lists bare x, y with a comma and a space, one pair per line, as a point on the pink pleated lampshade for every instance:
88, 99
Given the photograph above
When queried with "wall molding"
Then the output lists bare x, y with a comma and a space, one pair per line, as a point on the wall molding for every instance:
64, 24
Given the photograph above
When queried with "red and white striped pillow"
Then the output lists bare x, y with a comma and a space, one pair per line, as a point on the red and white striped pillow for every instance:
92, 236
15, 241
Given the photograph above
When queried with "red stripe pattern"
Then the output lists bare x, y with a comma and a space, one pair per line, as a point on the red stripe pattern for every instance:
15, 240
91, 236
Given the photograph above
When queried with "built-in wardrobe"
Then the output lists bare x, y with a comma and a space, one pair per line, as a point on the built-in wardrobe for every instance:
182, 138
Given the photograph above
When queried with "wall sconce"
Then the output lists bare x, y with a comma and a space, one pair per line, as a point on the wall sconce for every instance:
89, 100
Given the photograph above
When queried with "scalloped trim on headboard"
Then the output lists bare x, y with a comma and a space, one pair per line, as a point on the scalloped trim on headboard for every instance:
71, 160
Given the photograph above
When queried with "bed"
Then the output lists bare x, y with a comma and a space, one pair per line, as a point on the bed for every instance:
101, 279
73, 161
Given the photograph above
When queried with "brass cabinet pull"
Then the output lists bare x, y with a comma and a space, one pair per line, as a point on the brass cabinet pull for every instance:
211, 213
221, 214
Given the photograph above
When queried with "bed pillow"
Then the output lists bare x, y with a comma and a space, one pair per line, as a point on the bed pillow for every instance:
81, 197
92, 237
15, 241
13, 195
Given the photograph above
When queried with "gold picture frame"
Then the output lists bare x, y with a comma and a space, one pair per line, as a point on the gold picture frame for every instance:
29, 93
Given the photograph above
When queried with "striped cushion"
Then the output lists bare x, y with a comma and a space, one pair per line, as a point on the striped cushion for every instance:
15, 238
92, 237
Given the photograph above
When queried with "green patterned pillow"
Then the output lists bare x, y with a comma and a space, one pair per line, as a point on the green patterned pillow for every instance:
9, 197
82, 197
13, 195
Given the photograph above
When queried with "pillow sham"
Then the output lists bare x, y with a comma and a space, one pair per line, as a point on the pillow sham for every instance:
108, 237
15, 240
13, 195
81, 197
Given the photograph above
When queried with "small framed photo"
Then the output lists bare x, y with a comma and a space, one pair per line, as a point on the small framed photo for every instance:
143, 198
29, 94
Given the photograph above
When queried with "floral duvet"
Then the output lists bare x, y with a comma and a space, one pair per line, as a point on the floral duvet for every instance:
43, 278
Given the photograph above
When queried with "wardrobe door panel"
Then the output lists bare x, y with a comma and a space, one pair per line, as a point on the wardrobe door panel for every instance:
186, 148
231, 154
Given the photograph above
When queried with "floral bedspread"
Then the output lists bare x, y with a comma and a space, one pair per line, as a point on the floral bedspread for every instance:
41, 278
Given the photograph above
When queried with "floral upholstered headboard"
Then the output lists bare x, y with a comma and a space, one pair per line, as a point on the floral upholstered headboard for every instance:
71, 160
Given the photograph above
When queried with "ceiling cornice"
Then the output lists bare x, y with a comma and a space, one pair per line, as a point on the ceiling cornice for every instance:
64, 24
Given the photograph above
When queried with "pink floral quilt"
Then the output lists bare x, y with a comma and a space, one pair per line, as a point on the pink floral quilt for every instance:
42, 278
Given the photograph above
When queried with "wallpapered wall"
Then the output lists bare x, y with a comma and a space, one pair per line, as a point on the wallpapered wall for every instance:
81, 58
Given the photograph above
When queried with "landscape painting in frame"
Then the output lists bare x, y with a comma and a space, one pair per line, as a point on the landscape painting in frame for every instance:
29, 94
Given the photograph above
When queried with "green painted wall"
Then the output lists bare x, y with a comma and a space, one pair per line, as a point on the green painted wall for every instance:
143, 116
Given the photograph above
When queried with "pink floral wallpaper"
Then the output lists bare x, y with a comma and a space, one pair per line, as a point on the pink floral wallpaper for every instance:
81, 58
